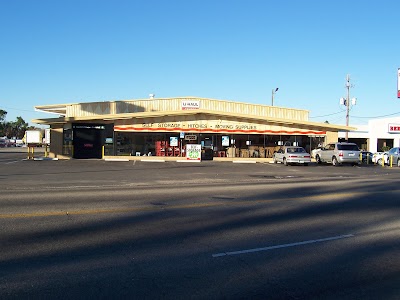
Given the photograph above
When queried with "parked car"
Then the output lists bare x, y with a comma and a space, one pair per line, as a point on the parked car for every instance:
292, 155
339, 153
366, 157
394, 156
378, 156
4, 142
314, 151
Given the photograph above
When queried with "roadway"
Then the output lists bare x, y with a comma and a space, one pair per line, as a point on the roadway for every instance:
83, 229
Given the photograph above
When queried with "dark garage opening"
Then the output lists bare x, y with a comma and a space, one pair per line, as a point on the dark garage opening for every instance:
88, 140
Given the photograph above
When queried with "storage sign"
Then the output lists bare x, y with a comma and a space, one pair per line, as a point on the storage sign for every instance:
193, 152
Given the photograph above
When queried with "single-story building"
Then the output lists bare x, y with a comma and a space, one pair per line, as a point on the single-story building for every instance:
377, 135
163, 127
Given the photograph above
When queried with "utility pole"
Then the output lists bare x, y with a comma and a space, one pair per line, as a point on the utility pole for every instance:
346, 101
347, 105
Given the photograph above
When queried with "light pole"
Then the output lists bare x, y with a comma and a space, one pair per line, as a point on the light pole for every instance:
273, 93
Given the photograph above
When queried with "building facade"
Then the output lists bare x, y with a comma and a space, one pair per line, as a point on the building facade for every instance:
377, 135
163, 127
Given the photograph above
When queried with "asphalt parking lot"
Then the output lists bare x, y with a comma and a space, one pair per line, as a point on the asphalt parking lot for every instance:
17, 170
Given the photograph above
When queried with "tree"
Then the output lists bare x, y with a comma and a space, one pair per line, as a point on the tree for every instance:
18, 127
12, 129
3, 114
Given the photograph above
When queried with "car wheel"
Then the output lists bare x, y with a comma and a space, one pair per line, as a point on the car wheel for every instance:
398, 162
379, 161
275, 161
334, 162
285, 162
318, 159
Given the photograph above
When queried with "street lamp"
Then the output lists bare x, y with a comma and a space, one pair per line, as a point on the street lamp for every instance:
273, 93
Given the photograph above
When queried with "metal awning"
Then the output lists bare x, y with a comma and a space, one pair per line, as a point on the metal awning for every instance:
106, 118
59, 109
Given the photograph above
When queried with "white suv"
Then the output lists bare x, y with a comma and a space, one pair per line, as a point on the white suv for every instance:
339, 153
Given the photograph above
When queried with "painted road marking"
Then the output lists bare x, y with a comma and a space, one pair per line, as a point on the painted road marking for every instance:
116, 159
283, 245
11, 162
153, 160
106, 210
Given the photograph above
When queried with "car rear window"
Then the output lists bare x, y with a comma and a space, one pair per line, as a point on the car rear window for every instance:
348, 147
296, 150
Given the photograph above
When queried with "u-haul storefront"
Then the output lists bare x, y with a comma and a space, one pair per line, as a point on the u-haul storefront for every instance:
164, 127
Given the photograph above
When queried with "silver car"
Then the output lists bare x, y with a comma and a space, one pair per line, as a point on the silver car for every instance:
394, 156
292, 155
339, 153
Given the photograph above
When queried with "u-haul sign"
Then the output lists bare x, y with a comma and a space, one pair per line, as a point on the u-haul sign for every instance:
190, 104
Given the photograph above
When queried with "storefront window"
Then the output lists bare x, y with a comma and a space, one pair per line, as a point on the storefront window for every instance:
213, 145
67, 142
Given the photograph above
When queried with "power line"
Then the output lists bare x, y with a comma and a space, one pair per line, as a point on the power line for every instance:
339, 112
376, 116
6, 107
370, 117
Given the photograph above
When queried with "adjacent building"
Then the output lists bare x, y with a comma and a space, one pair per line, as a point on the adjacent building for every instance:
377, 135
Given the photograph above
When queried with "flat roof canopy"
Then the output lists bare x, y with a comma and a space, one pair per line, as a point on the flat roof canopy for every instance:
154, 114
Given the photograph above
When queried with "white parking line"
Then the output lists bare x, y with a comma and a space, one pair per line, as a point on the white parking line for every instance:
283, 245
116, 159
152, 160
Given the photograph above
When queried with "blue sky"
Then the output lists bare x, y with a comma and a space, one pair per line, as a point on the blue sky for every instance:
56, 52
